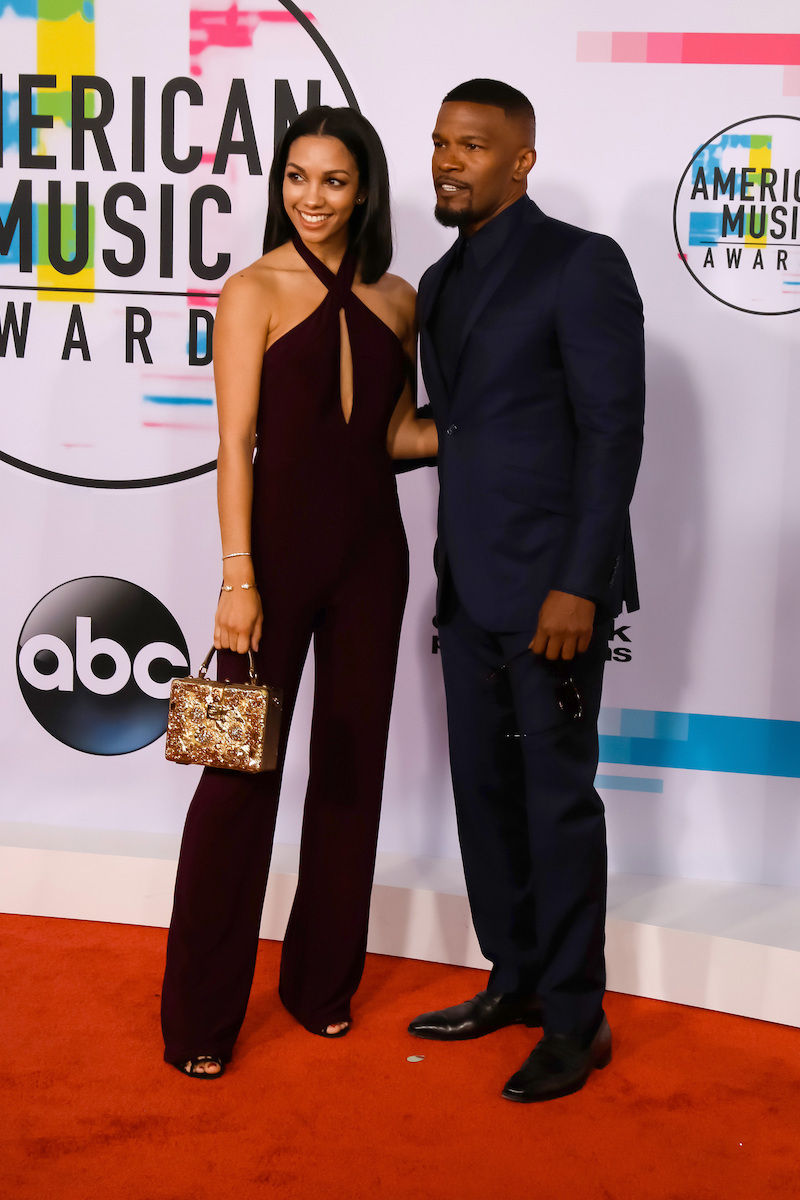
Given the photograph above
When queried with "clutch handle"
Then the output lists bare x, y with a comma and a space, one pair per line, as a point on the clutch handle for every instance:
207, 660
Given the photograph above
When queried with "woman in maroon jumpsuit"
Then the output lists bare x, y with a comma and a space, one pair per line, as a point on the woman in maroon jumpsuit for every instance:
313, 353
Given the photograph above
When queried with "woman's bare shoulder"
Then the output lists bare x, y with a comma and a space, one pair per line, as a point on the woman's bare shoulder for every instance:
261, 280
397, 289
398, 298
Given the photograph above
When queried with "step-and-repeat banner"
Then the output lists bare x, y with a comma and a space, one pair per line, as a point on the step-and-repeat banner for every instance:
136, 143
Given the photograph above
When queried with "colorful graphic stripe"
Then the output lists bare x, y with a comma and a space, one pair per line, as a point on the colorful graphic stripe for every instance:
40, 257
722, 49
706, 49
700, 742
204, 401
629, 783
22, 8
65, 47
230, 28
760, 160
10, 121
705, 228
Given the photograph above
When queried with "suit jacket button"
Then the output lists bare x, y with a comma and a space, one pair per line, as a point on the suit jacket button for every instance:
451, 429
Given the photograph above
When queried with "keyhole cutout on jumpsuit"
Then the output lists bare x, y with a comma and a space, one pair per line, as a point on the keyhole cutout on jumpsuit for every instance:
345, 369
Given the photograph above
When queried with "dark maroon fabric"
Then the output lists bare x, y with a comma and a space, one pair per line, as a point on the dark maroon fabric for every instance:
331, 563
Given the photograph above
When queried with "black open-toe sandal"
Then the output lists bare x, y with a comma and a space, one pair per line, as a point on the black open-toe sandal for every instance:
189, 1067
339, 1033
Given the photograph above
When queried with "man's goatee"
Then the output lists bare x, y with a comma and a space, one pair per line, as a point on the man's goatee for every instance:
452, 220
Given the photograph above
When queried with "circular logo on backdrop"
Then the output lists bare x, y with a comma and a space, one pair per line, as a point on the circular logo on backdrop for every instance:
737, 215
113, 257
95, 660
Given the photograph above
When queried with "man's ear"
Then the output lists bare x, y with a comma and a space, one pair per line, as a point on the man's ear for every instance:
525, 161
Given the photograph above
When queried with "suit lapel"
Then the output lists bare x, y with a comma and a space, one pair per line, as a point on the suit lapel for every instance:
435, 385
433, 282
431, 369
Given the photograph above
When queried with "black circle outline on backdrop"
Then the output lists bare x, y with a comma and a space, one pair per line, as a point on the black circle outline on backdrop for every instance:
78, 579
756, 312
204, 468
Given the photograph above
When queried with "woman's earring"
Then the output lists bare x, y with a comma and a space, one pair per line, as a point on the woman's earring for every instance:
360, 199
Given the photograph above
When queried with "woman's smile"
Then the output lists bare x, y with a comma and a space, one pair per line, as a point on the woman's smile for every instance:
314, 218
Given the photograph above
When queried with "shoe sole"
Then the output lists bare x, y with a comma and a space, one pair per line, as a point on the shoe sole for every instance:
600, 1065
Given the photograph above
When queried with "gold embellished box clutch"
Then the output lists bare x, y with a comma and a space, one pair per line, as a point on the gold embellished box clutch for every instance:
222, 724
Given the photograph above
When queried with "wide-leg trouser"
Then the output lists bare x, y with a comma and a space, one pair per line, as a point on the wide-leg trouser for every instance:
531, 825
227, 840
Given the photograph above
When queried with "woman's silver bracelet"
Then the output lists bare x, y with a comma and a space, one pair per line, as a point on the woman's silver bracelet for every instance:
229, 587
238, 554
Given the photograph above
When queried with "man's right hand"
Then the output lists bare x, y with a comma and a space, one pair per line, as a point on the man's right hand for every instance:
565, 626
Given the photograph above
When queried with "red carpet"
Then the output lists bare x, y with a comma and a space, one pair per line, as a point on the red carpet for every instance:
695, 1106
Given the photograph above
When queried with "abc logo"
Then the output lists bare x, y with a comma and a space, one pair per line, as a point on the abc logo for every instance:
94, 662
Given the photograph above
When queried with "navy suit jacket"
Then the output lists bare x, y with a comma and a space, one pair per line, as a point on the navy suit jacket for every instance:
540, 437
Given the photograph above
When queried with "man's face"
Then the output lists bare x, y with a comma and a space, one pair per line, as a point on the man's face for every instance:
481, 160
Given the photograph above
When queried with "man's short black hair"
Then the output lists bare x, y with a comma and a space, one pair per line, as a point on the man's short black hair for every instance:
491, 91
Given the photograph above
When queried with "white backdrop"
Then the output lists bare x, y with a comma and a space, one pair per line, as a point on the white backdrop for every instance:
701, 725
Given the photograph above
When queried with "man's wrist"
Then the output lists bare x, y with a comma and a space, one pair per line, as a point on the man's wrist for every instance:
576, 595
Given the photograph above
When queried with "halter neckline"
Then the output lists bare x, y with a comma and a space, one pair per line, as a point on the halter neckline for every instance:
340, 281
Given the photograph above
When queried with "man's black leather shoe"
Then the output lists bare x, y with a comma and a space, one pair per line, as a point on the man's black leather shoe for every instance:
474, 1018
558, 1066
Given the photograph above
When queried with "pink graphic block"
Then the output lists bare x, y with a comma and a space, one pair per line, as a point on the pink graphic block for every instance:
665, 47
724, 49
629, 47
751, 49
791, 81
232, 28
201, 300
594, 47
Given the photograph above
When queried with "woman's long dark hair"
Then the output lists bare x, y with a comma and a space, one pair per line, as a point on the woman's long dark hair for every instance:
371, 223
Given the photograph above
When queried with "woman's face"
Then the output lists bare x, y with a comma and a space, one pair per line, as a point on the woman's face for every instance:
320, 187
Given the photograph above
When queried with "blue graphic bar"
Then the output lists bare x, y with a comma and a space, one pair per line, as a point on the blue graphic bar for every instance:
629, 783
705, 228
700, 742
23, 8
10, 120
204, 401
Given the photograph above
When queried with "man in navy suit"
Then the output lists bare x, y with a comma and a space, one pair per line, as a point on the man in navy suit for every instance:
532, 354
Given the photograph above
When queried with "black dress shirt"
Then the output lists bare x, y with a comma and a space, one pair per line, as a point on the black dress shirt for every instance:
462, 283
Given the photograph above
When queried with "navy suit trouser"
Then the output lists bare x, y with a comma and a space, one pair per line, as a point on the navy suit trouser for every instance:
530, 822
